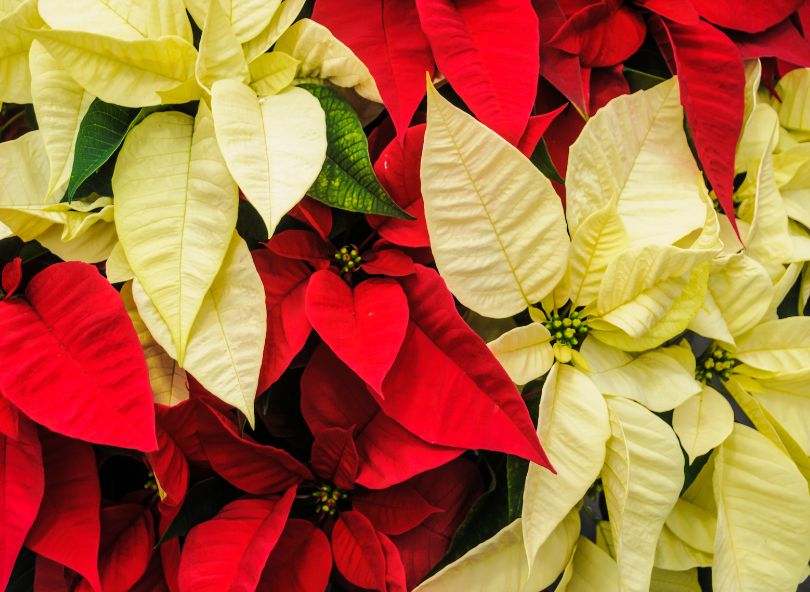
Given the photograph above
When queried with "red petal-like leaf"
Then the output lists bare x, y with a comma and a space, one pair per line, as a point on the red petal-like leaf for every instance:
601, 35
170, 467
229, 551
12, 275
127, 537
390, 262
9, 419
357, 551
466, 399
680, 11
73, 362
712, 82
538, 124
364, 327
394, 570
180, 422
49, 576
394, 510
333, 396
252, 467
68, 528
397, 169
21, 487
315, 214
300, 562
453, 487
304, 245
606, 85
750, 16
334, 456
781, 41
560, 68
387, 37
490, 52
288, 328
170, 558
152, 580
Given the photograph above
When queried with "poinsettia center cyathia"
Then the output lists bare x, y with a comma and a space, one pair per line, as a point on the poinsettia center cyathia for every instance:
715, 362
567, 329
329, 500
348, 258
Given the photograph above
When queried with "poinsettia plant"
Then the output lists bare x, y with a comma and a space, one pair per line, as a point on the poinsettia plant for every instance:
406, 295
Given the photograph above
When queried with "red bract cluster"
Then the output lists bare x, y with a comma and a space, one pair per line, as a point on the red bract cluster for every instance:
494, 53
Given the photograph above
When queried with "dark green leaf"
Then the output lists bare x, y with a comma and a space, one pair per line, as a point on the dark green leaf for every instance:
516, 469
203, 500
101, 132
542, 160
639, 80
347, 179
249, 224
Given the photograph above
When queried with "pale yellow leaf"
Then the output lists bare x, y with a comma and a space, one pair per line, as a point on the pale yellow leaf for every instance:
60, 104
642, 477
591, 569
766, 424
272, 72
169, 381
15, 40
634, 150
117, 267
671, 553
167, 17
655, 379
220, 53
674, 581
274, 146
322, 56
91, 246
742, 290
781, 346
651, 292
284, 16
175, 212
753, 76
573, 427
248, 17
496, 224
763, 519
227, 340
524, 352
500, 563
598, 240
793, 90
127, 73
757, 137
122, 19
709, 322
787, 399
703, 422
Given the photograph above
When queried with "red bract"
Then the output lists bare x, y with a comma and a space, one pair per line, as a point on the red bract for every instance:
397, 169
365, 327
68, 528
127, 538
488, 50
253, 467
12, 275
387, 37
171, 471
229, 551
333, 397
750, 16
73, 362
300, 562
21, 488
466, 399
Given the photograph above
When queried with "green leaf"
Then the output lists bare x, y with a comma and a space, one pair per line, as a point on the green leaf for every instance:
542, 160
639, 80
203, 500
101, 132
347, 179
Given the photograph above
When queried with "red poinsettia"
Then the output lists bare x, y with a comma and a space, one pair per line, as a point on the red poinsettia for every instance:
381, 539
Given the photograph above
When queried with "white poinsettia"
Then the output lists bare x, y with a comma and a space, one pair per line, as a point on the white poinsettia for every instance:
624, 282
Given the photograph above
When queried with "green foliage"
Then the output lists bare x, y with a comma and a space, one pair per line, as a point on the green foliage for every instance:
204, 499
347, 179
101, 133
